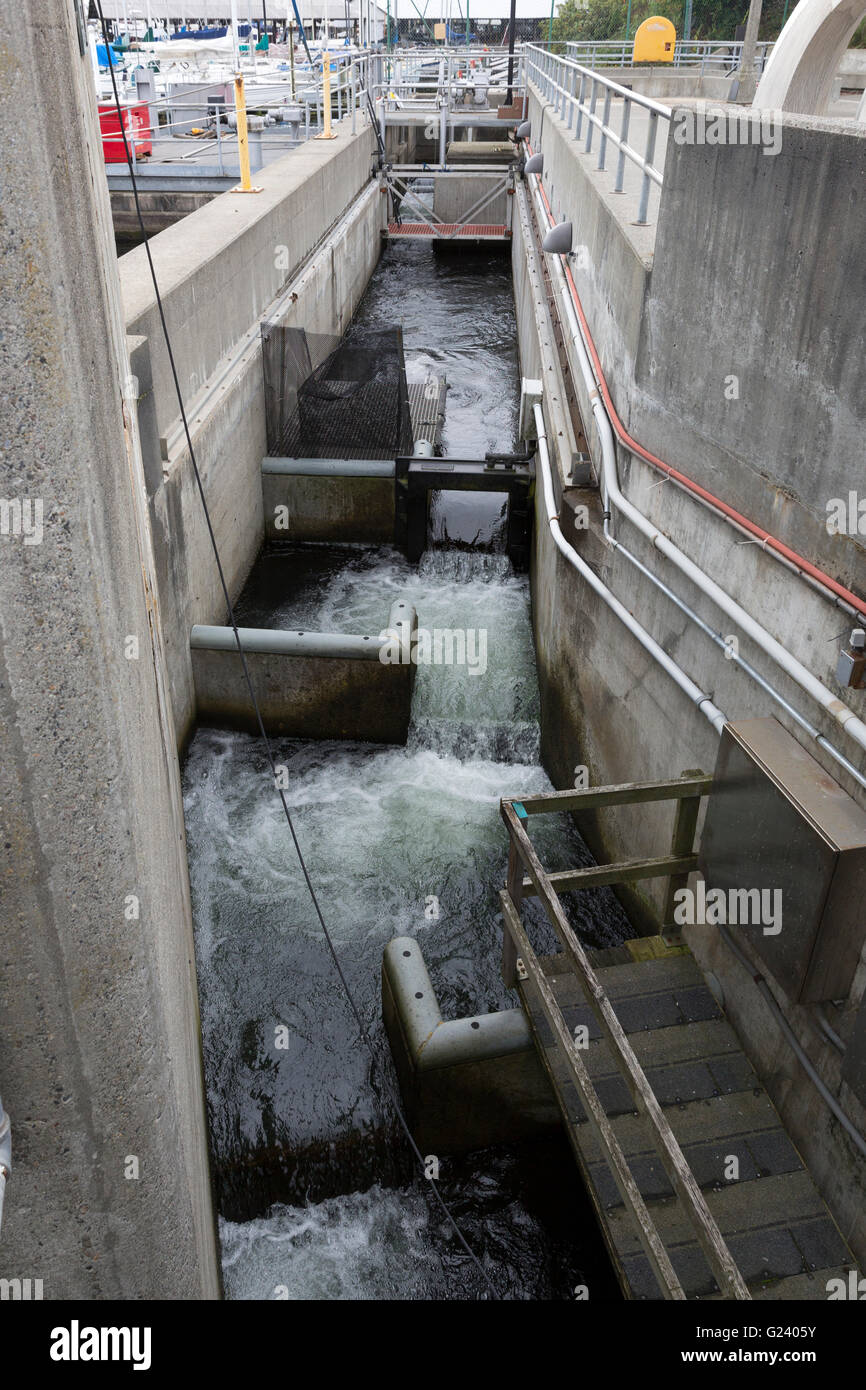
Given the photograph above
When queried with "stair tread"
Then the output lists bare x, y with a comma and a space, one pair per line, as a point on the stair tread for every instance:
772, 1216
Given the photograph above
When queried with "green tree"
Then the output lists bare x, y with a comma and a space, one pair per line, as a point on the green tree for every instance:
588, 20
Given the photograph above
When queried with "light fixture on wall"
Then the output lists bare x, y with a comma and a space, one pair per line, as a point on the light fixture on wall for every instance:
534, 165
558, 239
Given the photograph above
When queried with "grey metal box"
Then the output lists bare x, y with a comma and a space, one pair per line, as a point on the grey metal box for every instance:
776, 820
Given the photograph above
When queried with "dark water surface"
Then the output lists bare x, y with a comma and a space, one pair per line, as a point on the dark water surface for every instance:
317, 1193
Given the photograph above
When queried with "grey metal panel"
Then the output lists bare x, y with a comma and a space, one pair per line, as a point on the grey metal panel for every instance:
777, 821
427, 409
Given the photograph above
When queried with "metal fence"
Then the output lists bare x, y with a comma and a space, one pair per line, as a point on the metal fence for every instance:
708, 55
584, 99
327, 398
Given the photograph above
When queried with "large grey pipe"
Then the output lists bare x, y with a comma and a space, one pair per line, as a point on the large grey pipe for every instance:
264, 641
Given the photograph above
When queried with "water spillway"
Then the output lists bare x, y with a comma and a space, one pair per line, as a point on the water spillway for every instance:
315, 1184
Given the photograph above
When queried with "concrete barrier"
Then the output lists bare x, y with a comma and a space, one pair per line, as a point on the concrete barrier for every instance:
110, 1198
466, 1083
304, 248
308, 684
329, 500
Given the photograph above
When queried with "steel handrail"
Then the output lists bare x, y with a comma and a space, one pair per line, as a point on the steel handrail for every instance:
718, 1255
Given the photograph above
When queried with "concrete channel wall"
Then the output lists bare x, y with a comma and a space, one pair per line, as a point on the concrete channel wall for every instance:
100, 1050
304, 247
756, 273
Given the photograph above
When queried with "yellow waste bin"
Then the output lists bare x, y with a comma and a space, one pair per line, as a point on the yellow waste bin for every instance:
654, 41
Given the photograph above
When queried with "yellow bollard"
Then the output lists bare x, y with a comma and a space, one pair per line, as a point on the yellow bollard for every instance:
245, 185
327, 133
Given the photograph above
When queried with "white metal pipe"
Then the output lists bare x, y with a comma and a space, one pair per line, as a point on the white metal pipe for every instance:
845, 717
686, 684
739, 660
794, 1043
236, 57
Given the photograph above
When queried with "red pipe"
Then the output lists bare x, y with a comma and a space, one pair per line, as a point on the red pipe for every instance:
625, 438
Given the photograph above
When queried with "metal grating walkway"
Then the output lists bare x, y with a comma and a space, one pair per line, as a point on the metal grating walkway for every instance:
427, 409
450, 231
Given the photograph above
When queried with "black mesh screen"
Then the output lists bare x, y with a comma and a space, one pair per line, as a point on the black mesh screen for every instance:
331, 399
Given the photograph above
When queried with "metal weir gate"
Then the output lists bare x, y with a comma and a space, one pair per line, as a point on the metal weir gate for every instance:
416, 478
342, 413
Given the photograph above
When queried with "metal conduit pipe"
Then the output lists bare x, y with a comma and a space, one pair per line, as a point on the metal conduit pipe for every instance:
718, 721
686, 684
791, 1038
816, 577
828, 1030
853, 726
740, 660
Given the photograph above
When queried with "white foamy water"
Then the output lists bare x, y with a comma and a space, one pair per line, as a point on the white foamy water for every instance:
397, 841
476, 595
396, 1244
371, 1245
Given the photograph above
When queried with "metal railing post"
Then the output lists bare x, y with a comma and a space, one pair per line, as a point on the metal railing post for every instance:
580, 102
327, 133
623, 137
245, 185
589, 121
602, 149
648, 159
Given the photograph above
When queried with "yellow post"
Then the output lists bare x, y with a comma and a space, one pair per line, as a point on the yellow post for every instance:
245, 185
327, 133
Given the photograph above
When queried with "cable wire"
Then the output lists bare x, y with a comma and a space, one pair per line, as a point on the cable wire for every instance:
365, 1037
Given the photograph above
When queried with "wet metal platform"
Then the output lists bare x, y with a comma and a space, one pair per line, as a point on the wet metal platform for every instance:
450, 231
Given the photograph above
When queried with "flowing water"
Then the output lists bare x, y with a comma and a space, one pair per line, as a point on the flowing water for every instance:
317, 1193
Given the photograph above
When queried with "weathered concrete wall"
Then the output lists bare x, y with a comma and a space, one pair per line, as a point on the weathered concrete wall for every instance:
160, 210
466, 1083
752, 273
759, 274
306, 697
304, 247
666, 83
100, 1062
220, 269
614, 277
756, 272
313, 507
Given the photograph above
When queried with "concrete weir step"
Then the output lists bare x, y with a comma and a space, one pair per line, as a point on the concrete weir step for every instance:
756, 1186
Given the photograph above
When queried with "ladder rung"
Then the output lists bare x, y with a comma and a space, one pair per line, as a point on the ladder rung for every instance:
602, 875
